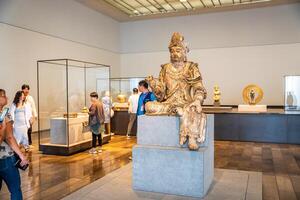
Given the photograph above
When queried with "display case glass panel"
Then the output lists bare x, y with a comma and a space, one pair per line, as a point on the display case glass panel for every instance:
64, 86
121, 89
292, 93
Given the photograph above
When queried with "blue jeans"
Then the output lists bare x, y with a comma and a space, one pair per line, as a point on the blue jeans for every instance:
11, 176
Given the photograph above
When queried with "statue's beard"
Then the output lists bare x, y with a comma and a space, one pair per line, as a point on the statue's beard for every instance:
176, 59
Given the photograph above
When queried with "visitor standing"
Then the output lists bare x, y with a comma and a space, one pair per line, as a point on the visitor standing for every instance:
96, 120
132, 109
8, 147
21, 115
106, 101
30, 101
144, 97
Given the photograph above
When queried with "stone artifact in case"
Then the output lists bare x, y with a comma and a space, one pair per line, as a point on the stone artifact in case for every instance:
292, 93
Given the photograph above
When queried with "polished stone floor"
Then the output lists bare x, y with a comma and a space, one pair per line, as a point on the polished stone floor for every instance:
279, 164
54, 177
228, 184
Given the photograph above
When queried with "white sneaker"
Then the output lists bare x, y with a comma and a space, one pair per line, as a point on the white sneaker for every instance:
128, 136
92, 151
99, 150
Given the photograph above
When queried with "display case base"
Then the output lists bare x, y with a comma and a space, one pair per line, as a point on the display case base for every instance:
64, 150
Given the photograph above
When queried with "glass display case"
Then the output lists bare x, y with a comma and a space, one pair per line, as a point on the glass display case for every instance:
121, 89
292, 93
64, 86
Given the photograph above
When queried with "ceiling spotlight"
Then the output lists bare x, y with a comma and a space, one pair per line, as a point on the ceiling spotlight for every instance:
182, 1
136, 12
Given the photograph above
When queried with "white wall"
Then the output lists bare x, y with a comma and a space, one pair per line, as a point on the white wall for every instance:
233, 49
67, 19
32, 30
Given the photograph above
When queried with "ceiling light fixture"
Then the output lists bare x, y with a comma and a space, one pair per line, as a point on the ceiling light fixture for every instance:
135, 8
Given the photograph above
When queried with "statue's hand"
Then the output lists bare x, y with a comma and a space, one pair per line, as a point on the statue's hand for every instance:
151, 81
180, 111
196, 104
149, 78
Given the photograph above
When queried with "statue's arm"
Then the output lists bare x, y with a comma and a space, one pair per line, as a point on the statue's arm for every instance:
198, 88
158, 85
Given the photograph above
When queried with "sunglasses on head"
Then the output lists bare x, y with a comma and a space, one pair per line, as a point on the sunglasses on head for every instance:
2, 94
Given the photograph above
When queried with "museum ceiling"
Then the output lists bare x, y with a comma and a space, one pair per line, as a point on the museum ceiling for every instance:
130, 10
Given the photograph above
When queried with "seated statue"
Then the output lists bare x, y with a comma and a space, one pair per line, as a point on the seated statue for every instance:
180, 91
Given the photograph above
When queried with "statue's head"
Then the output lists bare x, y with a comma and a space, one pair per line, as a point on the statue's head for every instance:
178, 48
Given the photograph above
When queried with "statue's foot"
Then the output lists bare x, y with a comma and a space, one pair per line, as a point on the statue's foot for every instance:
193, 144
182, 140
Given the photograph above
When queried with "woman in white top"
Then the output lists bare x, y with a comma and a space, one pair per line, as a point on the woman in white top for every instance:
107, 104
21, 115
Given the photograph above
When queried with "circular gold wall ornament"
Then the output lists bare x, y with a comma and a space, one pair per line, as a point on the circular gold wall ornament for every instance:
252, 94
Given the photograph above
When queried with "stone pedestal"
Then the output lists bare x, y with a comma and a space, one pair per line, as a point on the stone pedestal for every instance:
59, 131
161, 165
252, 108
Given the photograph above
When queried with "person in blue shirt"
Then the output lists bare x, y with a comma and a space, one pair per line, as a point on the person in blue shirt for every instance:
145, 96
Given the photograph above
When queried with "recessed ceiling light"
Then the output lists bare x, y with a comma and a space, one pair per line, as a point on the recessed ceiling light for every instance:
136, 12
182, 1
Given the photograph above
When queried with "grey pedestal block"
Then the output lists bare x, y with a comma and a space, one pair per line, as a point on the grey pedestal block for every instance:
164, 130
160, 165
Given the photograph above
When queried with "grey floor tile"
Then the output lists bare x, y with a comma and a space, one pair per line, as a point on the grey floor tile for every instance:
228, 184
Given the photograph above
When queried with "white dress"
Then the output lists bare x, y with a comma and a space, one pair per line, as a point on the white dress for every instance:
106, 101
20, 126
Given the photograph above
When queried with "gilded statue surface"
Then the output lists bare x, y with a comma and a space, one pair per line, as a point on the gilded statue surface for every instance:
217, 96
180, 91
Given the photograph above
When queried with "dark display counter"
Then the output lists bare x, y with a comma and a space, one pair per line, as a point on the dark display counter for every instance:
119, 123
276, 125
262, 127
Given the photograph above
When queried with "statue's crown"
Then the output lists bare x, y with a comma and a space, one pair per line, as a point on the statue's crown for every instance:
177, 40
